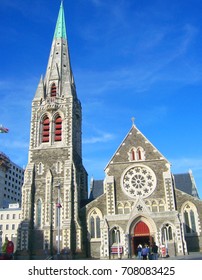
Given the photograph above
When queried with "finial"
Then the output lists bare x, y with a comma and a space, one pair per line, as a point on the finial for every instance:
133, 120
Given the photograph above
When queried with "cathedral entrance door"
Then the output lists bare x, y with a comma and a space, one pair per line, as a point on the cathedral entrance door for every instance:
141, 236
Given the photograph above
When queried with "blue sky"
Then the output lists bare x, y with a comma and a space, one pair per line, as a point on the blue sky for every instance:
130, 58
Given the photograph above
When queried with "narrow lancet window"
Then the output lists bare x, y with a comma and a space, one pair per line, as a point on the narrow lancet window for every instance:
45, 130
53, 90
58, 129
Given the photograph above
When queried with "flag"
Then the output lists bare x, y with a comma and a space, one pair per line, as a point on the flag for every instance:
3, 129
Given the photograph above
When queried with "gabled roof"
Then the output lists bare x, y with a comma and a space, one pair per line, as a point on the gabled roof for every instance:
186, 183
132, 134
96, 189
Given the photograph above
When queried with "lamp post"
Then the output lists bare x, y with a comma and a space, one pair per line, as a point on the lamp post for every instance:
58, 205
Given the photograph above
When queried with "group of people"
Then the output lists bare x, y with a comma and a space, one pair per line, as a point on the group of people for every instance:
7, 250
147, 252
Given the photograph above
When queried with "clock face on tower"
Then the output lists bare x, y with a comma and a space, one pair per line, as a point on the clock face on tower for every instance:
138, 180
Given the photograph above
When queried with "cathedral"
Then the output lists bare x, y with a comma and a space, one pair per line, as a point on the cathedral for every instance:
139, 200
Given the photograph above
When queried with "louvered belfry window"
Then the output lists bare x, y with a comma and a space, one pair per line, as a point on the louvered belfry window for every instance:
58, 129
53, 90
45, 130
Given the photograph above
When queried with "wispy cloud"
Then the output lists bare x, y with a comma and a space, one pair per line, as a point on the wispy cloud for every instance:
180, 164
12, 145
102, 138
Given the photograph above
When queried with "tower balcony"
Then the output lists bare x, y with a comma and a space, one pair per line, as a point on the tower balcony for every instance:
52, 103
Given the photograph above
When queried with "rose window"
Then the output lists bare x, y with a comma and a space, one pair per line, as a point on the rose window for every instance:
139, 181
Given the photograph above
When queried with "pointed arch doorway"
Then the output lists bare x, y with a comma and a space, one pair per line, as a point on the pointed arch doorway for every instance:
141, 235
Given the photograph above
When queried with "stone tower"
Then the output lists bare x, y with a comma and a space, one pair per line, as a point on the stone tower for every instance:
55, 179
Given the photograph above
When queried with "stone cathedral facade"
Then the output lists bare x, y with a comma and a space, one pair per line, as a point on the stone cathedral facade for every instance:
139, 201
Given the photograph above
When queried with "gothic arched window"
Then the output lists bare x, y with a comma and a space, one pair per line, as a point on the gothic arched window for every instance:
140, 153
53, 90
115, 235
94, 224
97, 227
190, 217
167, 233
45, 129
58, 129
133, 154
92, 227
136, 154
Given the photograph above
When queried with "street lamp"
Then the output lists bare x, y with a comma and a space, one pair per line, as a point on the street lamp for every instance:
58, 205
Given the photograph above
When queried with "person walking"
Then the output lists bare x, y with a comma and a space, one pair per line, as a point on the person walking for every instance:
10, 249
155, 251
144, 252
3, 249
139, 251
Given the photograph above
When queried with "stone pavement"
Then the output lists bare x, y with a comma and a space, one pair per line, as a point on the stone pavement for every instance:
190, 256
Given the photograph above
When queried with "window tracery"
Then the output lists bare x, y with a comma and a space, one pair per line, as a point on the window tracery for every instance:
166, 233
115, 235
190, 217
94, 224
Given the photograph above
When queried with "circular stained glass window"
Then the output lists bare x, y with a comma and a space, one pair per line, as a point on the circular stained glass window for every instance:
138, 180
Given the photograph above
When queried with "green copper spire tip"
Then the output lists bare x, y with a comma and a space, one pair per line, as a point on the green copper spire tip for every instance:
60, 30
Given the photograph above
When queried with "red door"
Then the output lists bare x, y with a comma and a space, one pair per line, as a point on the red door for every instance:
141, 235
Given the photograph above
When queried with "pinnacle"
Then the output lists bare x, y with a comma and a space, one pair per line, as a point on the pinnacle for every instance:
60, 30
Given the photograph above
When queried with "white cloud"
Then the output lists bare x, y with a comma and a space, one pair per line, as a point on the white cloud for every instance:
103, 138
184, 164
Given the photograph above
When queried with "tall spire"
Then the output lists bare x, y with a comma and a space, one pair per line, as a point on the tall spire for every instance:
60, 30
58, 70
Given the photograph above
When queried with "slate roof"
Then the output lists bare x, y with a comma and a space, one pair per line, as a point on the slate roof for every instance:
186, 183
96, 189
